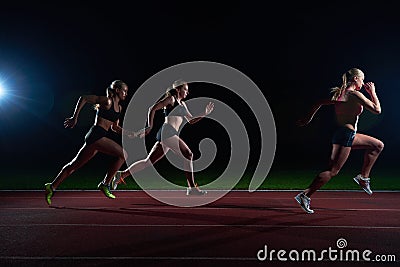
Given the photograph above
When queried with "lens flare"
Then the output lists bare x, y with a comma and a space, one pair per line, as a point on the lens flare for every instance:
2, 91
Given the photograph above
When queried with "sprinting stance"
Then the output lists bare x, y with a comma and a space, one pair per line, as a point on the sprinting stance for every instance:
98, 138
176, 112
349, 103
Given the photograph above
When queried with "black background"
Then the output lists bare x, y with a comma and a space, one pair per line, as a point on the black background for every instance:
53, 52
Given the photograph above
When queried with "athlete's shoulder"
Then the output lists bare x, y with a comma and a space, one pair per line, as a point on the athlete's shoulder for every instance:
354, 93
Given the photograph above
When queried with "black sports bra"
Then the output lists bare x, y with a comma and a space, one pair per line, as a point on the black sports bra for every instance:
109, 114
175, 110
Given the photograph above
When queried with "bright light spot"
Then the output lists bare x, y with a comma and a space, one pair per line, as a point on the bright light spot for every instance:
2, 91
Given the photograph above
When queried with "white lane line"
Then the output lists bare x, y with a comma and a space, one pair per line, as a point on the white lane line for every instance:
132, 258
199, 225
126, 258
162, 208
210, 190
377, 198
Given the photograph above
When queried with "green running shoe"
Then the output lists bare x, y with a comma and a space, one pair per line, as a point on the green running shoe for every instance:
49, 192
106, 190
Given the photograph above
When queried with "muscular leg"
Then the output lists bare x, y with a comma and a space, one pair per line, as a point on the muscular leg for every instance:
338, 158
157, 152
179, 147
373, 147
83, 156
110, 147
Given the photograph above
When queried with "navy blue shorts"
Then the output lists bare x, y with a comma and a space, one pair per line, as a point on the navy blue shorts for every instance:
166, 131
343, 136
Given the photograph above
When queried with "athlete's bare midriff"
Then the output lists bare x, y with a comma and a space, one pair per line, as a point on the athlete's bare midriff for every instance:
174, 121
106, 124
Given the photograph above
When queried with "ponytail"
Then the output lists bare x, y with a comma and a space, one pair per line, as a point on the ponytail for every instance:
171, 91
346, 81
110, 90
337, 91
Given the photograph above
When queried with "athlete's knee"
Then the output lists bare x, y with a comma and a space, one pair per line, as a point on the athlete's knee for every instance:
121, 155
379, 146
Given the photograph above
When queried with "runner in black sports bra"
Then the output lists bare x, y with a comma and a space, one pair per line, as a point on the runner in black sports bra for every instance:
106, 124
96, 132
167, 130
109, 114
175, 112
176, 109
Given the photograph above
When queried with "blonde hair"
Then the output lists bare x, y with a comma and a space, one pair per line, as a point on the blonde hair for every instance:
110, 90
178, 83
171, 90
347, 79
175, 85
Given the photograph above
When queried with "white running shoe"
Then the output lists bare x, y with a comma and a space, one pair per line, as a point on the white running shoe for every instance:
195, 191
117, 179
364, 183
304, 202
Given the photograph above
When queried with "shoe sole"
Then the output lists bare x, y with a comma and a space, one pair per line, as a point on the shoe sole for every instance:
358, 182
110, 196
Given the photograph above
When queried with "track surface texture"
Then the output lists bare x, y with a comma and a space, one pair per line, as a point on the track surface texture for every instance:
83, 228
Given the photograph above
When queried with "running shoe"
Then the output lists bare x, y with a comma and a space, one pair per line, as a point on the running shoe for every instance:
106, 190
49, 192
117, 179
304, 202
364, 183
195, 191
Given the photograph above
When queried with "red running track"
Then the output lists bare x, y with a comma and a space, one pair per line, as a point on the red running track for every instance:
83, 228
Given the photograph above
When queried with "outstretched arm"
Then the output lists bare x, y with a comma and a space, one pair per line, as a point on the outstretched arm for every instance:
119, 130
191, 119
307, 119
92, 99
